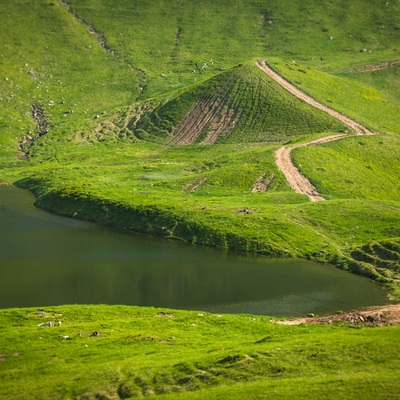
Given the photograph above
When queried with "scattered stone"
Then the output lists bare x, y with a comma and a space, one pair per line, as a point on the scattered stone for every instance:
64, 337
50, 323
40, 119
310, 315
263, 183
163, 314
94, 334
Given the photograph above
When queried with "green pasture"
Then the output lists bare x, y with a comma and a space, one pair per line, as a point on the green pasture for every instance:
178, 43
363, 167
111, 98
110, 101
119, 352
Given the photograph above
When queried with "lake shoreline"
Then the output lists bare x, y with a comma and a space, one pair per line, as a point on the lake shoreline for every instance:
155, 222
119, 262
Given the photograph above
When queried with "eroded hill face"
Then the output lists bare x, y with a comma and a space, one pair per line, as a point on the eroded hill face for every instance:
104, 78
240, 105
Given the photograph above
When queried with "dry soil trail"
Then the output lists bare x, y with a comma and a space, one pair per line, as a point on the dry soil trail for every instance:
283, 155
373, 67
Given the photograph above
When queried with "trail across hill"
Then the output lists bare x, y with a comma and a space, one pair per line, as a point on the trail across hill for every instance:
295, 178
283, 155
373, 67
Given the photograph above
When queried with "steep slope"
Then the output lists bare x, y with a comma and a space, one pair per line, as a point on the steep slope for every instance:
52, 68
239, 105
179, 42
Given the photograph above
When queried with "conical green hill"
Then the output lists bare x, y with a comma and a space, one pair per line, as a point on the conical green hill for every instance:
239, 105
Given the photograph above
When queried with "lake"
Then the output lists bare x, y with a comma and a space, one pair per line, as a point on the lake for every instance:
51, 260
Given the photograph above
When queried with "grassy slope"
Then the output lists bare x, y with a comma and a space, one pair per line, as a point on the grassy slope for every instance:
99, 169
195, 193
176, 37
374, 102
182, 354
260, 105
48, 58
360, 166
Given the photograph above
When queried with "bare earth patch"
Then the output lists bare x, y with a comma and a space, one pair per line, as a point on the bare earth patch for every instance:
295, 178
373, 67
209, 115
371, 316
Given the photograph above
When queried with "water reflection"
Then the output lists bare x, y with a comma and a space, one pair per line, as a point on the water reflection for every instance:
50, 260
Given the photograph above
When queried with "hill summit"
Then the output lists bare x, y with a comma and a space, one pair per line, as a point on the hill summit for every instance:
238, 105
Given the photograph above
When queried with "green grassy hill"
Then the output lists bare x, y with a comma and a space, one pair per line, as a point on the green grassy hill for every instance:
241, 105
151, 115
98, 97
177, 38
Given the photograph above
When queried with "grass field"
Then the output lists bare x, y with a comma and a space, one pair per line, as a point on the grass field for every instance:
95, 107
152, 116
147, 352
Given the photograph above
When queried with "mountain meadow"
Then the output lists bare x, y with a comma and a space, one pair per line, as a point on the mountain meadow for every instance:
158, 117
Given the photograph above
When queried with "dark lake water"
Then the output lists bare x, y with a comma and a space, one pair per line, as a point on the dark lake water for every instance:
51, 260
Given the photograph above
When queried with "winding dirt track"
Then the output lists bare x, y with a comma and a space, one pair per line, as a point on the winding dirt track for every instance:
283, 155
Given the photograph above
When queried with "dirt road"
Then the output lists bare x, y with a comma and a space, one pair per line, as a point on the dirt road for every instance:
283, 155
295, 178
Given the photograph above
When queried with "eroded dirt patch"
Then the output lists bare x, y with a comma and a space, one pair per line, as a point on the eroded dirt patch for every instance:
209, 117
373, 67
371, 316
